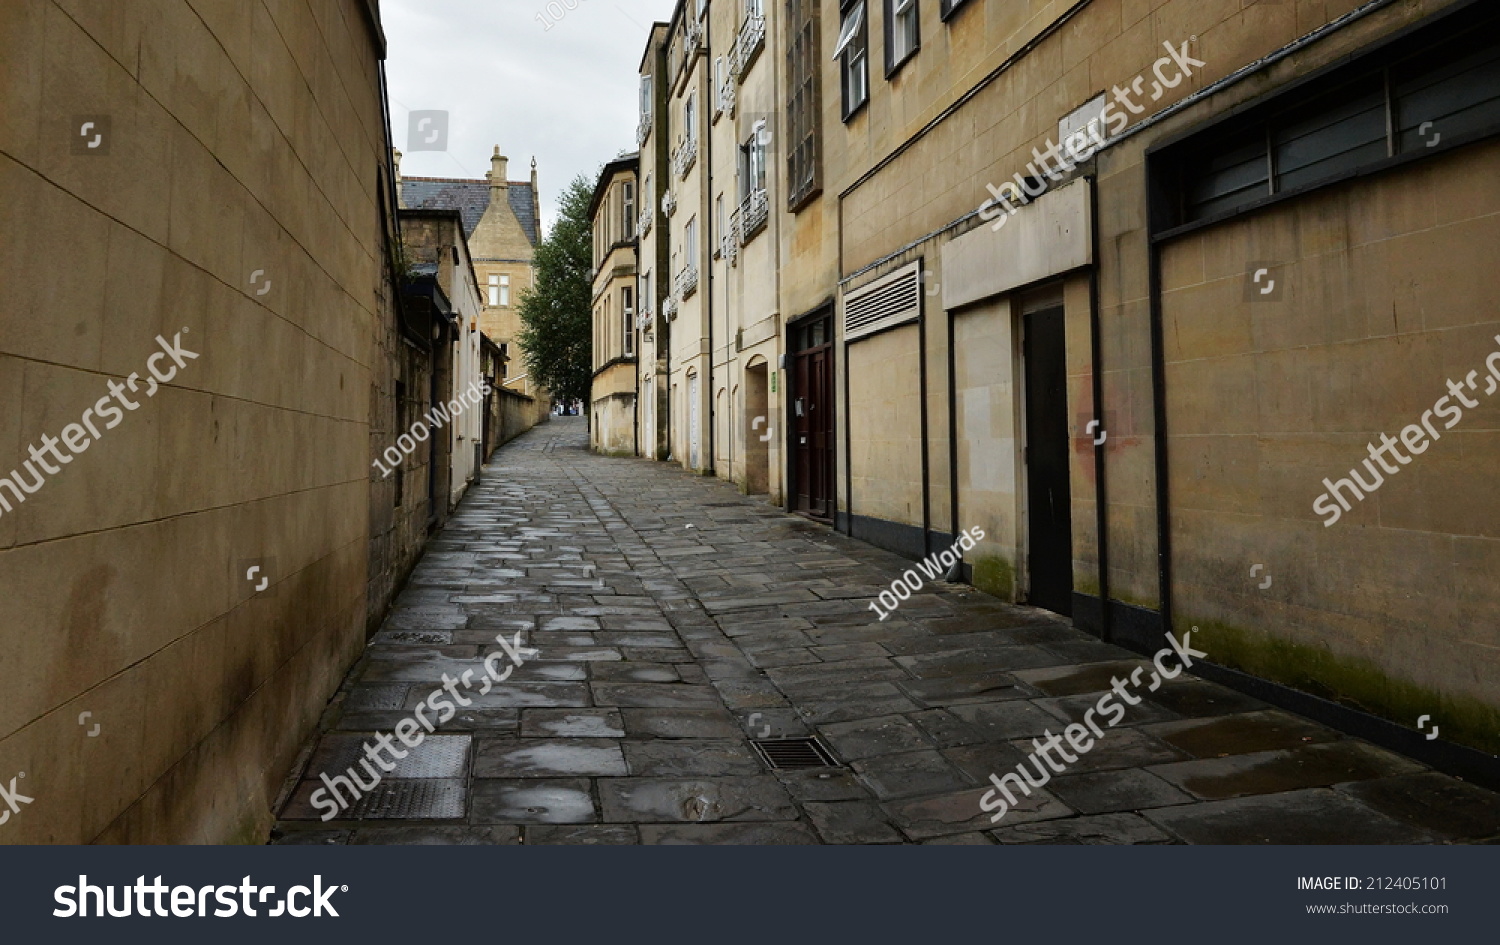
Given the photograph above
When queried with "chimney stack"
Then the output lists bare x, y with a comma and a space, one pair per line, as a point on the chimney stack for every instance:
499, 182
396, 164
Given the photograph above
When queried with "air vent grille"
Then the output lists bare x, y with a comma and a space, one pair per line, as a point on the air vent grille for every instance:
892, 300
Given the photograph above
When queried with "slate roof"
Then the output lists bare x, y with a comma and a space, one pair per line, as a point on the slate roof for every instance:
470, 198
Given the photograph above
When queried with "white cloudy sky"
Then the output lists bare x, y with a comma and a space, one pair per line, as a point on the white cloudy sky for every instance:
565, 94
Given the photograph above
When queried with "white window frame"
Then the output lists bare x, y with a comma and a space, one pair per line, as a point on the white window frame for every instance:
904, 19
627, 322
854, 61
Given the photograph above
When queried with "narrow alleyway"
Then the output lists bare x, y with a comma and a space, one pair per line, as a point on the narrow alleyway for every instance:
675, 621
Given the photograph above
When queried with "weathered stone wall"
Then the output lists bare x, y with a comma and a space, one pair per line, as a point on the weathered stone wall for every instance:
232, 201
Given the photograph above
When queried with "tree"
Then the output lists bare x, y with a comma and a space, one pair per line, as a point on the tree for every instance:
557, 328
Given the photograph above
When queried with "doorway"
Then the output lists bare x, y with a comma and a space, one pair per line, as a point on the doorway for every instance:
812, 417
693, 423
1049, 501
760, 430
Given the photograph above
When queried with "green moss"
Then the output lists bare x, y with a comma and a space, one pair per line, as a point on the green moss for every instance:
1347, 680
254, 830
996, 576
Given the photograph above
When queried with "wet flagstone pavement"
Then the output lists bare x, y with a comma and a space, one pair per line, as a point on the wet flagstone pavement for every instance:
674, 620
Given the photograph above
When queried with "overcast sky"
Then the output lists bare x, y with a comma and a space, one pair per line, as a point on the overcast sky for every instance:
564, 94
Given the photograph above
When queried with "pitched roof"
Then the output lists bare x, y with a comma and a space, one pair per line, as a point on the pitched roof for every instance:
470, 198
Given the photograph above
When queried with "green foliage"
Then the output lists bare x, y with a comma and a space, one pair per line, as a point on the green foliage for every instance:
557, 330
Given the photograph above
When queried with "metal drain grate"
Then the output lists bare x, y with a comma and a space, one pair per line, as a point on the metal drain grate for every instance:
794, 753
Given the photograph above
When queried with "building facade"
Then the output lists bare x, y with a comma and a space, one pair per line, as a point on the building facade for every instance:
1136, 288
437, 250
196, 584
502, 222
710, 250
613, 213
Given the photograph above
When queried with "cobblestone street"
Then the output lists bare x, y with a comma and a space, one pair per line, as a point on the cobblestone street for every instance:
675, 620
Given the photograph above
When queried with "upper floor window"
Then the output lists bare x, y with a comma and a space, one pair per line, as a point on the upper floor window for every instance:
499, 290
853, 53
755, 8
946, 7
627, 321
902, 38
690, 116
804, 112
645, 96
627, 209
719, 84
690, 243
720, 226
1438, 87
753, 162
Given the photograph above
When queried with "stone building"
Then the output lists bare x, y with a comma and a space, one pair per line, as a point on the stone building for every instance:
196, 583
613, 417
502, 220
710, 264
441, 271
1136, 288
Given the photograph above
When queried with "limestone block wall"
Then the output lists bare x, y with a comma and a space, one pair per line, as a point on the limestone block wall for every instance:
232, 203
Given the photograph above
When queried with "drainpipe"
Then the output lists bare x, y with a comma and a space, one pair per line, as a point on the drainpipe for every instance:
1096, 340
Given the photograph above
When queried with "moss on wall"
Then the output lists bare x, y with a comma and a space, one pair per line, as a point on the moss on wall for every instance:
1347, 680
996, 576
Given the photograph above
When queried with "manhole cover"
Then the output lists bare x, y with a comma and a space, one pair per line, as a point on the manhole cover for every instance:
411, 800
794, 753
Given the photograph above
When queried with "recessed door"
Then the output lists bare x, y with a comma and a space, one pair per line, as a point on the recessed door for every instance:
1048, 491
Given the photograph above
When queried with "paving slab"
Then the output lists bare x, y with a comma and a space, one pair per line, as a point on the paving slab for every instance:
664, 650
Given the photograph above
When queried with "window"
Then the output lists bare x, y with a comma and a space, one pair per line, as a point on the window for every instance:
754, 8
719, 225
804, 121
645, 97
946, 7
1441, 86
690, 117
504, 289
646, 299
719, 85
494, 290
852, 52
690, 243
902, 39
753, 162
627, 209
627, 323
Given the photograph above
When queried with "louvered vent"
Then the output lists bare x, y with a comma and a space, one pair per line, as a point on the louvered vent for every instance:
891, 300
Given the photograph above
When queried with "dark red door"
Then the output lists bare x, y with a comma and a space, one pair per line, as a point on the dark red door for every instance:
812, 425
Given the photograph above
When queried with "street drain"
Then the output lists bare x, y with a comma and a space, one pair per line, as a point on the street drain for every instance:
794, 752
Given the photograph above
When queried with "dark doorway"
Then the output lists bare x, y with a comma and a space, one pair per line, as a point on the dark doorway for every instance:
1048, 493
812, 426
